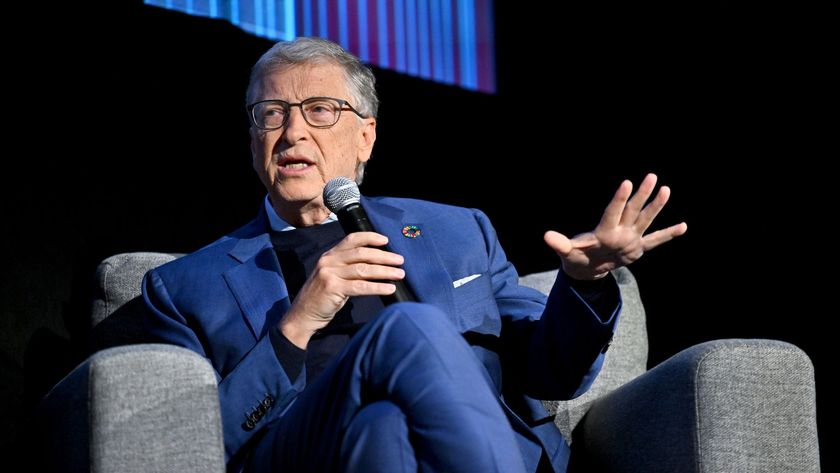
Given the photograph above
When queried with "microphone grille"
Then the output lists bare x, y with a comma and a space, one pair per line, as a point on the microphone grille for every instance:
339, 193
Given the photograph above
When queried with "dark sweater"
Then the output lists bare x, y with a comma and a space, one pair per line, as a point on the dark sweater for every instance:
298, 251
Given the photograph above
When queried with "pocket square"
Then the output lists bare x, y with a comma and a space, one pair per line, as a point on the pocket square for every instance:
462, 281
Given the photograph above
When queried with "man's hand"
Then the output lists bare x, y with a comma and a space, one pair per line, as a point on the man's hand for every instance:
350, 268
619, 238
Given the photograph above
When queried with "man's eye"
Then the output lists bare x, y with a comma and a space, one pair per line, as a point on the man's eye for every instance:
270, 112
319, 108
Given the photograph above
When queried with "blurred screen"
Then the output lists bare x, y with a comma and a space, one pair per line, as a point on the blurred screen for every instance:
448, 41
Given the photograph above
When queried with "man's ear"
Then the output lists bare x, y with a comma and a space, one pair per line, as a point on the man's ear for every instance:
253, 132
367, 137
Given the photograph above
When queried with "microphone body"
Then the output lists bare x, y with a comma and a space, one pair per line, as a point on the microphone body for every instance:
353, 218
341, 195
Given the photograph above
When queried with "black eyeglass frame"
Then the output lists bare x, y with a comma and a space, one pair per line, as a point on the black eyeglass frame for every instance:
287, 107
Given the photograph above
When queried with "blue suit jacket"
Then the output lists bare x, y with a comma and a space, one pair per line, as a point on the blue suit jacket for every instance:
221, 301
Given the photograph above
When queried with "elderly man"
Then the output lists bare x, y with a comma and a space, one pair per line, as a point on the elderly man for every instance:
315, 372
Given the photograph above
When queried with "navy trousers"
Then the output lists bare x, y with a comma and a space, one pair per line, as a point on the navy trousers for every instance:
406, 394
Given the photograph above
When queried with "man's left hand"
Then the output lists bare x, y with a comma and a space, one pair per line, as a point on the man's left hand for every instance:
619, 238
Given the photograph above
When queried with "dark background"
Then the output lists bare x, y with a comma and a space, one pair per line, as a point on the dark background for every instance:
130, 135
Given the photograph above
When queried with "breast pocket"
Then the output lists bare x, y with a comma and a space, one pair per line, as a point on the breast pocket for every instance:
476, 309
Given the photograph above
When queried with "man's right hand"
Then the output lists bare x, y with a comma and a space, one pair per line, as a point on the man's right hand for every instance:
350, 268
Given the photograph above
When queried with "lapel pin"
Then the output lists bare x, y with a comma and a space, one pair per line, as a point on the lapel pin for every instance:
411, 231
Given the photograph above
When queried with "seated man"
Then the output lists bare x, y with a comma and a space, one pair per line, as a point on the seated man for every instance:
315, 372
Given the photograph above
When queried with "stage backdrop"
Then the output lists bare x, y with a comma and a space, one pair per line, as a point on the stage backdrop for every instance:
448, 41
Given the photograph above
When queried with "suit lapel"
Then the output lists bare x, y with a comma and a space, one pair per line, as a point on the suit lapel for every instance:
424, 272
257, 283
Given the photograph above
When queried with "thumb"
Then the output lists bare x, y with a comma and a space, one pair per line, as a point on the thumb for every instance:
558, 242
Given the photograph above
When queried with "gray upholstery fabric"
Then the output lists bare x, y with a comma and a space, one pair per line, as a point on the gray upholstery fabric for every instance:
117, 309
140, 408
154, 408
118, 280
721, 406
625, 359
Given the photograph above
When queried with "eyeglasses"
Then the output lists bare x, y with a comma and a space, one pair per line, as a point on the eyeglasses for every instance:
319, 112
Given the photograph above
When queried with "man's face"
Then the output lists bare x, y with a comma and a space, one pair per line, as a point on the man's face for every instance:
296, 161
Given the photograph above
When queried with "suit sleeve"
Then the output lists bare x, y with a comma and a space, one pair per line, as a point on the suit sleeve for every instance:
251, 395
553, 349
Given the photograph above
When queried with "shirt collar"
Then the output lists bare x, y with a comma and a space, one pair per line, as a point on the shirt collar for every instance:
280, 225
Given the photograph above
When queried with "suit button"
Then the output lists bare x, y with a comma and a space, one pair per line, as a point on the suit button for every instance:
248, 425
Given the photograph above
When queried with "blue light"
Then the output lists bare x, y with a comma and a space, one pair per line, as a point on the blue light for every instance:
436, 39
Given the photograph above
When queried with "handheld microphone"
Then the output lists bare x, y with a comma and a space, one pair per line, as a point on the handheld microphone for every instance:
342, 197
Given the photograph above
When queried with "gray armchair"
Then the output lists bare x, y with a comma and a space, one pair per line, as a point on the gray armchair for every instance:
721, 406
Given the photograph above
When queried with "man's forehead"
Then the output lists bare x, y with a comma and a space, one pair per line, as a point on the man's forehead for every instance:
302, 81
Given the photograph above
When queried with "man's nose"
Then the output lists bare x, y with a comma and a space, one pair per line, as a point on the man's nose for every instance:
296, 126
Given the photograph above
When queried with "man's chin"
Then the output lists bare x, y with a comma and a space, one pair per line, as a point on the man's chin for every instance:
298, 197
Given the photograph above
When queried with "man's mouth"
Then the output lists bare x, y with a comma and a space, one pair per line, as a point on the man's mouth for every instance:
294, 163
299, 165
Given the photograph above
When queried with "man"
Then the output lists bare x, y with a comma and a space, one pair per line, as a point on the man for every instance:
315, 374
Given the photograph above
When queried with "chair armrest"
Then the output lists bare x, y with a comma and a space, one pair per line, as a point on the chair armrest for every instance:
136, 408
721, 406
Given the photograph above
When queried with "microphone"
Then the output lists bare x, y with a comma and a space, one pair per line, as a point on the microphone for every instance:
342, 196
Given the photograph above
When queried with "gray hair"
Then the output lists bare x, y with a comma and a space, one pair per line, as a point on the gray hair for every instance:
360, 80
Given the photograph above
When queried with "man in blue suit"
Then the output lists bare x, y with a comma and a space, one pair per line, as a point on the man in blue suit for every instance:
315, 373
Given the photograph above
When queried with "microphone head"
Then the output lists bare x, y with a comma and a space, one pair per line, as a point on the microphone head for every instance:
340, 192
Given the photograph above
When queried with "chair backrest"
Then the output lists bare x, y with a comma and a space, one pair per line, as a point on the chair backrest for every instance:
117, 309
118, 280
117, 303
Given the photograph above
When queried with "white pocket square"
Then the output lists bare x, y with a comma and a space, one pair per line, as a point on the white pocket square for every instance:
462, 281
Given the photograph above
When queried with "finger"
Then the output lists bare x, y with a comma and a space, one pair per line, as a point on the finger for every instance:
585, 241
369, 272
558, 242
650, 212
659, 237
368, 255
369, 288
357, 239
634, 206
612, 214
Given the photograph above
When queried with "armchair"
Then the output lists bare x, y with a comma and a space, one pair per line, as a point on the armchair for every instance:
720, 406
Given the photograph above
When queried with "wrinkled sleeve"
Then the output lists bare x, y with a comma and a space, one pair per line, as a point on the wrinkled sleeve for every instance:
554, 347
